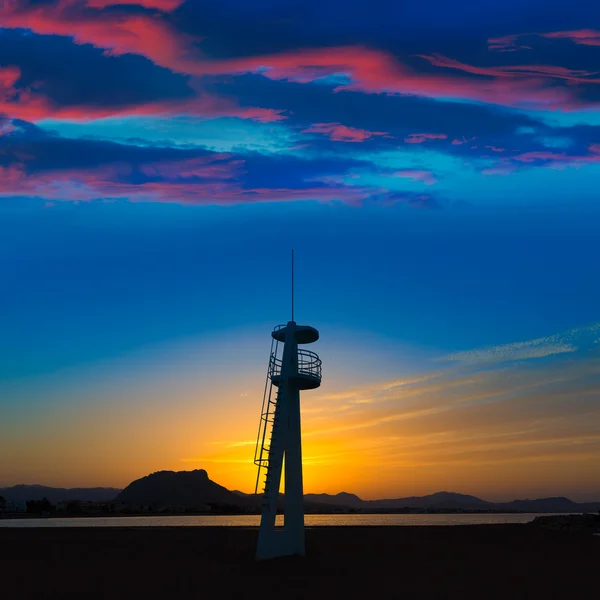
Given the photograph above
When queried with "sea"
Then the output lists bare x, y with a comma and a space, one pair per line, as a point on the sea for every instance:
338, 520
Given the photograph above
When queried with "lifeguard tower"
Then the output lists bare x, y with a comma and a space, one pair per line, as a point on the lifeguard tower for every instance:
290, 370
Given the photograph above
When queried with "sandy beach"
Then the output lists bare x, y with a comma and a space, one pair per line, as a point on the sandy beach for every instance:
495, 561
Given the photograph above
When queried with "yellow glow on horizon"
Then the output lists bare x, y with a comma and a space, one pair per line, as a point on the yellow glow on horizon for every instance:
496, 432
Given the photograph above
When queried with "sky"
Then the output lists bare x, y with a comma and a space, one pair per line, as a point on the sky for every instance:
434, 165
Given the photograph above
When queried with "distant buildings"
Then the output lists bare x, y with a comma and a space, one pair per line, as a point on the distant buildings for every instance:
7, 507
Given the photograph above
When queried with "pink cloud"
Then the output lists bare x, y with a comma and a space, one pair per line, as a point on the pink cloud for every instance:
372, 68
117, 32
7, 128
559, 159
22, 103
375, 71
426, 177
201, 187
419, 138
210, 105
8, 77
464, 140
553, 160
494, 148
342, 133
499, 170
217, 166
510, 43
212, 179
151, 35
209, 180
164, 5
515, 71
585, 37
528, 157
31, 105
507, 43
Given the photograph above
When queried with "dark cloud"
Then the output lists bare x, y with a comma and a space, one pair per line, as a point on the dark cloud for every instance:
72, 75
33, 162
233, 28
398, 115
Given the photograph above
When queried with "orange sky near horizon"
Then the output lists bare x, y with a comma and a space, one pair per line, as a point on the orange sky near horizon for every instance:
524, 427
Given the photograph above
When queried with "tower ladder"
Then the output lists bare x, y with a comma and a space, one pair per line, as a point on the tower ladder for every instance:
269, 422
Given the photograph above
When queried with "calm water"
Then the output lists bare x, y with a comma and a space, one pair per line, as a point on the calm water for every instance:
253, 520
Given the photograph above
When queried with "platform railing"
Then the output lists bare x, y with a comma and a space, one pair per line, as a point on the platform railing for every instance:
309, 364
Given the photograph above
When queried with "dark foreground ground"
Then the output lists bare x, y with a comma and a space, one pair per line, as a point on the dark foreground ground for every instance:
483, 561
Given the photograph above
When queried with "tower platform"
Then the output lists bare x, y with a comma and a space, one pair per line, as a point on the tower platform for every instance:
305, 334
307, 375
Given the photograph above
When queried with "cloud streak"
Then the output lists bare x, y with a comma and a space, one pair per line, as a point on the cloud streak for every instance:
32, 163
420, 138
584, 37
374, 71
512, 43
342, 133
544, 159
427, 177
539, 348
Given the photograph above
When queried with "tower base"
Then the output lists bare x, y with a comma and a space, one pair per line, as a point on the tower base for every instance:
277, 543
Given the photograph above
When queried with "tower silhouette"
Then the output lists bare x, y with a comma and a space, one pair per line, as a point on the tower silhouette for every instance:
290, 370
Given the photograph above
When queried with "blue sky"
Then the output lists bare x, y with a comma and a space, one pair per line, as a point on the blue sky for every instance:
435, 169
90, 281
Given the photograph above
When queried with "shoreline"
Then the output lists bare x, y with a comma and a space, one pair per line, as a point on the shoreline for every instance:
311, 520
21, 515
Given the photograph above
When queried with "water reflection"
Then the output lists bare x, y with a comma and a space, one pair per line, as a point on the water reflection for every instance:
253, 520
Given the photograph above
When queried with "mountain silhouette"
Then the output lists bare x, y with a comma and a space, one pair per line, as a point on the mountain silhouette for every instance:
186, 489
437, 500
194, 489
559, 504
19, 494
454, 501
341, 499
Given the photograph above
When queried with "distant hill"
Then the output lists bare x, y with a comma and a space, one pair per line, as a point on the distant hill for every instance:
551, 505
449, 500
341, 499
437, 501
194, 489
19, 494
187, 489
454, 501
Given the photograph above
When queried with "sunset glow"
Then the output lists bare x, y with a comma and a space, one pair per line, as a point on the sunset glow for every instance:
436, 170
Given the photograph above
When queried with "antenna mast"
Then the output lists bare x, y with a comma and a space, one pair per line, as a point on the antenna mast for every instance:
278, 451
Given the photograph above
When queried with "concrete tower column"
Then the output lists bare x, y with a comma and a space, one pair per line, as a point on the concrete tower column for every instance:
296, 370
